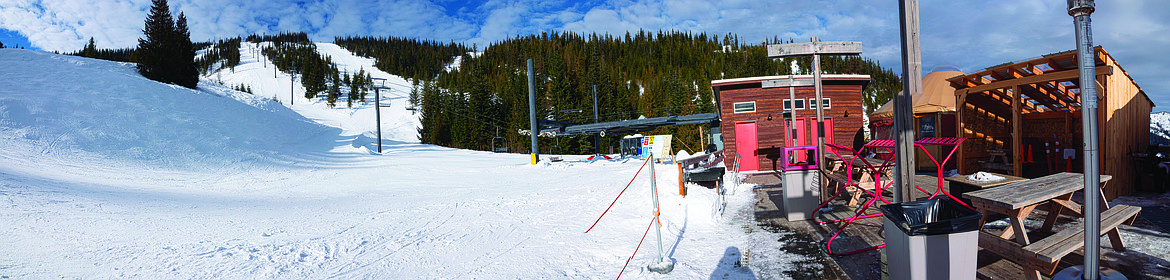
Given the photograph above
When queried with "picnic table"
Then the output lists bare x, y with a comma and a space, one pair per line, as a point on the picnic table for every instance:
1019, 199
960, 184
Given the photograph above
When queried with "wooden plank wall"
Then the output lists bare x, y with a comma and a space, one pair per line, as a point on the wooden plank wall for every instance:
984, 131
1127, 126
844, 95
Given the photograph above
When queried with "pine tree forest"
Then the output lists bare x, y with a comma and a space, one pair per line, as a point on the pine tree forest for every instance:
638, 74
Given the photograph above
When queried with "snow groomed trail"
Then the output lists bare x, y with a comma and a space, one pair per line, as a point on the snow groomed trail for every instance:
104, 174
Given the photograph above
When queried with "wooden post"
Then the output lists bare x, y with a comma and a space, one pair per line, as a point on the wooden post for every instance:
961, 160
1017, 131
903, 103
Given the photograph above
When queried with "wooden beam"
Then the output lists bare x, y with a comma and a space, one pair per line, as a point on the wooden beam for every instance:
1055, 66
809, 48
1018, 73
783, 83
960, 106
970, 82
1052, 76
1008, 97
1050, 98
1035, 70
997, 76
1057, 86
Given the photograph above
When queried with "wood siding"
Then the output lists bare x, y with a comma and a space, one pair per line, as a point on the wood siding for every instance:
1126, 129
845, 96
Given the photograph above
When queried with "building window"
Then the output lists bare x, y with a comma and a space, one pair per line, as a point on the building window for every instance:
824, 101
788, 104
745, 107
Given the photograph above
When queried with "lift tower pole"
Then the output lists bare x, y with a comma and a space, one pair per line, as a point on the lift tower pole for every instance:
378, 109
532, 113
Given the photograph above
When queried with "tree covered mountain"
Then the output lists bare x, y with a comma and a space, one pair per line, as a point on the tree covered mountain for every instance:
638, 74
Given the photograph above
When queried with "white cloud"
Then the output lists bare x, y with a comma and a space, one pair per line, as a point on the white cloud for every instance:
969, 35
65, 25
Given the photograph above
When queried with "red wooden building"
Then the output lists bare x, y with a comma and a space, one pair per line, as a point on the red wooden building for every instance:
753, 121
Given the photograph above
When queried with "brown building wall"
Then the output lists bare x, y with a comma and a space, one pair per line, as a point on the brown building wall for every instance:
844, 95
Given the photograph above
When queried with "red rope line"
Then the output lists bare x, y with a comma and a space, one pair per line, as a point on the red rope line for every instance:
618, 196
636, 248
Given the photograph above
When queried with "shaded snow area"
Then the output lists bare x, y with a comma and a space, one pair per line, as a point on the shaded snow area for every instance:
104, 174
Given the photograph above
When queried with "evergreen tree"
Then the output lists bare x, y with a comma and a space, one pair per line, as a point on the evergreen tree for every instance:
90, 49
1, 45
166, 54
188, 72
152, 50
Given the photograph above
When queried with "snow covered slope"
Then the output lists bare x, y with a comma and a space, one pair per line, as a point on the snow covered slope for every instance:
255, 71
1160, 128
104, 174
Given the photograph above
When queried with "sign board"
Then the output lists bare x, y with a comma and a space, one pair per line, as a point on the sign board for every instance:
825, 48
786, 83
657, 144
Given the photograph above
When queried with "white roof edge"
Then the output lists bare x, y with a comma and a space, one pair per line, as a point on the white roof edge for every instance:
764, 78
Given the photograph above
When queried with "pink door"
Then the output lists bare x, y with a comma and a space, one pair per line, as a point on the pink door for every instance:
746, 146
813, 130
799, 131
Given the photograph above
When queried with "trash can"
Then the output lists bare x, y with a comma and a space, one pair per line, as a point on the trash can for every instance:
931, 239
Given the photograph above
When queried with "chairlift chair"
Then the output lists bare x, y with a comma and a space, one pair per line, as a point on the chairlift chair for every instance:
502, 147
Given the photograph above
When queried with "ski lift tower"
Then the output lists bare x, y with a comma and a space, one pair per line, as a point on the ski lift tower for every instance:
378, 107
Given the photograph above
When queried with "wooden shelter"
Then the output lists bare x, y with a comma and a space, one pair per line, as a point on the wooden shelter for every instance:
753, 121
1018, 107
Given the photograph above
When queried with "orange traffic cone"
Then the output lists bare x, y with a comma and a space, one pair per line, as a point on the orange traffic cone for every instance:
1030, 160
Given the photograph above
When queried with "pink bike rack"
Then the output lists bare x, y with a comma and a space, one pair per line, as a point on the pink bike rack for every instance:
878, 188
941, 141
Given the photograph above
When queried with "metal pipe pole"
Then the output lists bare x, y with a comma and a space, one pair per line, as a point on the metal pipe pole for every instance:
816, 62
378, 116
535, 154
903, 102
790, 135
1080, 11
596, 137
654, 193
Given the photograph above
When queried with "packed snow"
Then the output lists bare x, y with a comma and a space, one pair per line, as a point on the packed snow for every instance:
105, 174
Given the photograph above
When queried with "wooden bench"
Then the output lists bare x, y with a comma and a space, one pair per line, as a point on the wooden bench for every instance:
1044, 255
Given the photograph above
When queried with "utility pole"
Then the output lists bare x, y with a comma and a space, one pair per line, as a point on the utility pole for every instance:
903, 103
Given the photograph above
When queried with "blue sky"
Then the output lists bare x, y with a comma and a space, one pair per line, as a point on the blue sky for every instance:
968, 35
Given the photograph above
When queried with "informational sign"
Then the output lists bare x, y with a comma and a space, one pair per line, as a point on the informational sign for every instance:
657, 144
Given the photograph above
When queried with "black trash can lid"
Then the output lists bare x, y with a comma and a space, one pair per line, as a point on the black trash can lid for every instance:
931, 217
